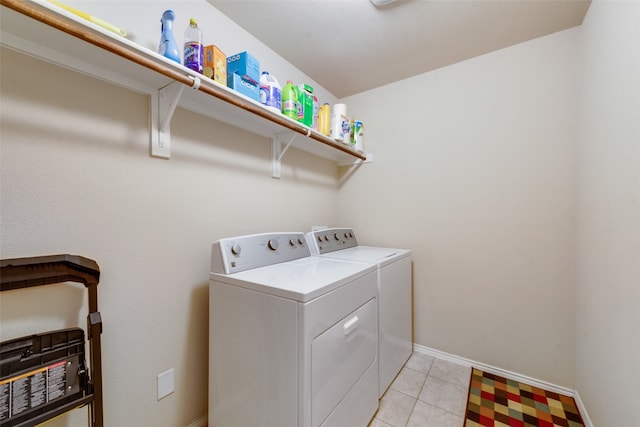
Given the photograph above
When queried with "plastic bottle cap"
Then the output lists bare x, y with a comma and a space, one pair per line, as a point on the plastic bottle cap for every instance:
192, 21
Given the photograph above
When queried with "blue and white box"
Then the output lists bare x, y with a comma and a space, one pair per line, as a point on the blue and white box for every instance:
245, 65
244, 86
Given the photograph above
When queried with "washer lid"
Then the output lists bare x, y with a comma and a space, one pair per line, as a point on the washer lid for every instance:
302, 280
371, 254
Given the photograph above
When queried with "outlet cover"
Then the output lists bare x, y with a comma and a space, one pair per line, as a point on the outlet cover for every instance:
165, 384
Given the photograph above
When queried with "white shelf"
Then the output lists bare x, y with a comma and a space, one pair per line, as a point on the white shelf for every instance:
61, 38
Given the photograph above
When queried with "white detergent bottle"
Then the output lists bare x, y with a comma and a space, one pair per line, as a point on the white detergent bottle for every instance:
270, 92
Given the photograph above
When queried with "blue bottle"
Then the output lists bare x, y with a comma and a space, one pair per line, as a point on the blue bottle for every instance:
168, 46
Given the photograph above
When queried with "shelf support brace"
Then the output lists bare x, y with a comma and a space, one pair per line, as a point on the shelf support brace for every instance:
278, 151
353, 167
163, 106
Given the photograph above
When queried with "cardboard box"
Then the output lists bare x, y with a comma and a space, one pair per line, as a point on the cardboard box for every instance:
245, 65
244, 86
215, 64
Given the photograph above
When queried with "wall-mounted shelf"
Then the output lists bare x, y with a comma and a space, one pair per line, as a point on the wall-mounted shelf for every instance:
59, 37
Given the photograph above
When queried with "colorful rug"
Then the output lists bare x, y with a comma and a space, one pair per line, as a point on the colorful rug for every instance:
497, 401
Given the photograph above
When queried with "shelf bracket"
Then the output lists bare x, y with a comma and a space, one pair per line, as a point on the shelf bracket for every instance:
353, 167
358, 162
278, 151
163, 105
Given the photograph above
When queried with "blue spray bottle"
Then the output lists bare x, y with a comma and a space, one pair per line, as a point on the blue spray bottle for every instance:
168, 46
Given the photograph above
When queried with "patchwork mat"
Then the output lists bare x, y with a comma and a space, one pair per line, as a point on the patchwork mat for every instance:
497, 401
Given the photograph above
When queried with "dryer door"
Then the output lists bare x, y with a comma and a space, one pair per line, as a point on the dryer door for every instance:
339, 357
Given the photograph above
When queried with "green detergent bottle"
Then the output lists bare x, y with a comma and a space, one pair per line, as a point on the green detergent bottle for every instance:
290, 100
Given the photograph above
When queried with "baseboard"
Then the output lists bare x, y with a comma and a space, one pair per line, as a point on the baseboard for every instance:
582, 409
200, 422
508, 374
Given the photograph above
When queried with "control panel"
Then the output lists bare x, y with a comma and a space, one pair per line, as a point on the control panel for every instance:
235, 254
331, 240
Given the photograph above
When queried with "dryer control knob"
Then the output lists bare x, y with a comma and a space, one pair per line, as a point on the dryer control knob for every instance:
272, 244
336, 236
236, 249
301, 241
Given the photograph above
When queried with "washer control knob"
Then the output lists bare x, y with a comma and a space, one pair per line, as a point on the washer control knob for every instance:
236, 249
292, 243
346, 235
301, 241
326, 238
336, 236
272, 244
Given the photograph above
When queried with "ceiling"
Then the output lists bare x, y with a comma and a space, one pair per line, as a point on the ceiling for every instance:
350, 46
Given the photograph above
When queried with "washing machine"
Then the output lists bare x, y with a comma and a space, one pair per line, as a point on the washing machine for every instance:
293, 338
393, 266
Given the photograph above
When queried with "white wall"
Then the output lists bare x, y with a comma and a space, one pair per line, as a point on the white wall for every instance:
76, 178
475, 172
608, 286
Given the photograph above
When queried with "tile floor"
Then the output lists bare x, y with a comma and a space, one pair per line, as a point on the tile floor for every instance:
428, 392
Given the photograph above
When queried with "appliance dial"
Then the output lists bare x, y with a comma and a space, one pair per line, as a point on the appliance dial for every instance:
336, 236
236, 249
272, 244
301, 241
292, 243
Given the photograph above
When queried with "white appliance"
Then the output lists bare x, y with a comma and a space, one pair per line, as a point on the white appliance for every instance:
395, 339
292, 338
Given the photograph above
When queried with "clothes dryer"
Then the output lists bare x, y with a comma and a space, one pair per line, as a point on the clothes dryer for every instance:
292, 338
395, 340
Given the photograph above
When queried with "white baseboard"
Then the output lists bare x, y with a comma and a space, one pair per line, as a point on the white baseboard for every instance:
582, 409
200, 422
508, 374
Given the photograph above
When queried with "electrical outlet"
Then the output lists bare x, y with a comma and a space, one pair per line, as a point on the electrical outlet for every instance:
165, 384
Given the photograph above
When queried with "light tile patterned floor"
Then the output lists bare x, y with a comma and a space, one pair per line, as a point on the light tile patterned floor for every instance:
428, 392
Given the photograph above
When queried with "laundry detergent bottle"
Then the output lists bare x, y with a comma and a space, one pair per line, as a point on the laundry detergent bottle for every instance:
270, 92
168, 46
290, 101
